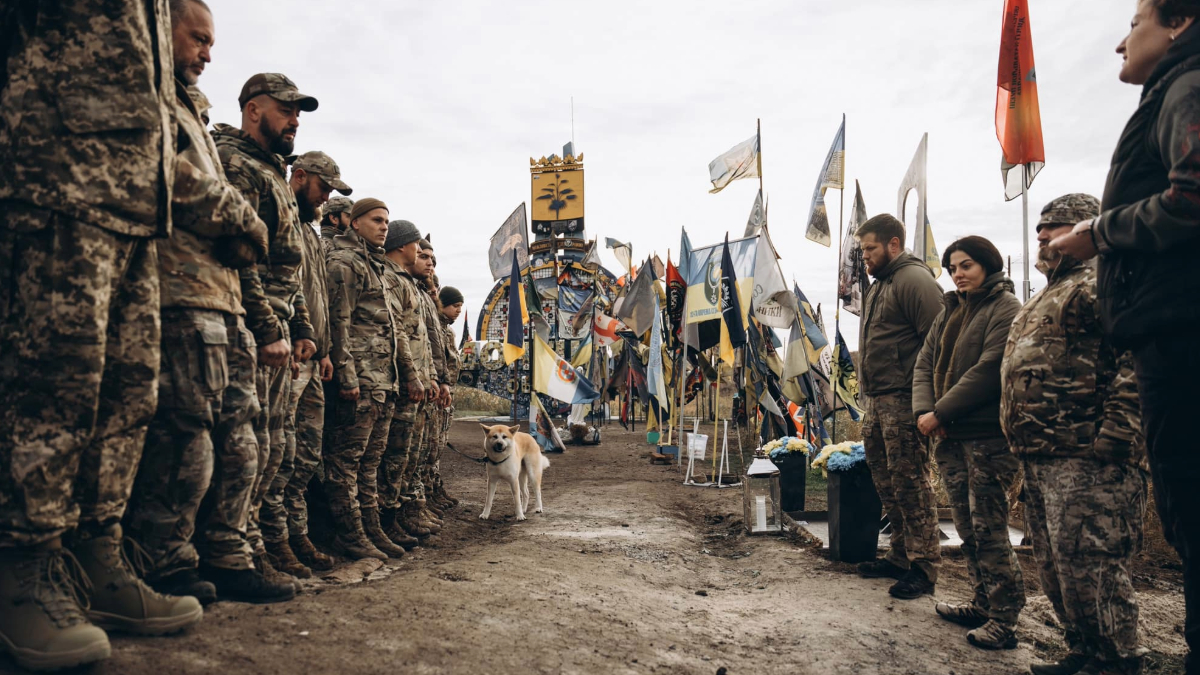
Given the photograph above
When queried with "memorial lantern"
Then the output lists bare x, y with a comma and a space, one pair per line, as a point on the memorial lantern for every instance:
760, 498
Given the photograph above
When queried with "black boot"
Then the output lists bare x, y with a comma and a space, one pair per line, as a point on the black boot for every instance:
912, 586
247, 585
186, 582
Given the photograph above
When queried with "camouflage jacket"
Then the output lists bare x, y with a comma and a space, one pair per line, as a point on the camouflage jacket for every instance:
453, 361
87, 105
271, 293
205, 207
412, 348
314, 281
362, 315
1065, 391
437, 370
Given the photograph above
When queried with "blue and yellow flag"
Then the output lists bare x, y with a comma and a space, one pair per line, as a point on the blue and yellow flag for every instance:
518, 316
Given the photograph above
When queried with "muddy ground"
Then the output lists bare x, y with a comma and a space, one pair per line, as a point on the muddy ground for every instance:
627, 571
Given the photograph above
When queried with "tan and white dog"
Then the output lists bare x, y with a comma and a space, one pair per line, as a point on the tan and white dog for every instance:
513, 457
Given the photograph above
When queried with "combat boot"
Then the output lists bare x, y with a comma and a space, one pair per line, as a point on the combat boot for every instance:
248, 585
427, 519
308, 554
119, 599
409, 520
378, 537
262, 563
41, 623
434, 509
993, 635
387, 518
439, 490
352, 541
284, 560
183, 583
967, 614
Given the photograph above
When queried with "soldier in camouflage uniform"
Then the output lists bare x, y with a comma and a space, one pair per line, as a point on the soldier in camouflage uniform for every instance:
204, 407
335, 220
898, 309
363, 315
84, 188
402, 247
314, 176
1070, 411
416, 516
276, 312
451, 300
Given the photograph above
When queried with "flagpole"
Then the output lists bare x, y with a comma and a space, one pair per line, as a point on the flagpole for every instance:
837, 308
1025, 227
717, 418
758, 133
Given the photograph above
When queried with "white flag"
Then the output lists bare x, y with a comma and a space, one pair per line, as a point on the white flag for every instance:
741, 161
922, 243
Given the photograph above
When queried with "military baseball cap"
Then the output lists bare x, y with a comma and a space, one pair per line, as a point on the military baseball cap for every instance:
278, 87
338, 205
315, 161
1069, 210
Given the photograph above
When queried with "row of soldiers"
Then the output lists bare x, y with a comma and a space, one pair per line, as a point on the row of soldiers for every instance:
180, 350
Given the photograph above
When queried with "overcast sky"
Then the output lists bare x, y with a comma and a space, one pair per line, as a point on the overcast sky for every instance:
436, 108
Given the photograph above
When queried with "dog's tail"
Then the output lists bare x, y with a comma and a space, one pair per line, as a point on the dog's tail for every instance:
545, 462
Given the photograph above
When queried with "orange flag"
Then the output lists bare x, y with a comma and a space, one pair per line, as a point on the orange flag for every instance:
1018, 122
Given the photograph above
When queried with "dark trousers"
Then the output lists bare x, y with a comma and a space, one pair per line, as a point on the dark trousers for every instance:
1168, 369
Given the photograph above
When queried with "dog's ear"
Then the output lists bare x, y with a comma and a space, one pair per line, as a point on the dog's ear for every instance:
485, 427
515, 430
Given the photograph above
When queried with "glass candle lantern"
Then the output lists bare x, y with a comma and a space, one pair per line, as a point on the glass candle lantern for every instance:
763, 511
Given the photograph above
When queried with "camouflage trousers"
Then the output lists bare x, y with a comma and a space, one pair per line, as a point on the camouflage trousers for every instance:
177, 465
901, 465
225, 512
79, 359
400, 448
414, 488
307, 430
432, 476
275, 396
359, 437
1085, 519
979, 474
273, 514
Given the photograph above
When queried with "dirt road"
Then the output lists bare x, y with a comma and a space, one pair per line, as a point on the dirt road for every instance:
627, 571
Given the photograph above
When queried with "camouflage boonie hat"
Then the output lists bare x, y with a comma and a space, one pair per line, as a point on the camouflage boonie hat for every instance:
315, 161
1069, 210
278, 87
337, 205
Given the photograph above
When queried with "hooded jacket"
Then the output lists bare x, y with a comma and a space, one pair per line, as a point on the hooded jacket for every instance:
271, 292
969, 408
898, 310
1065, 390
1149, 224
